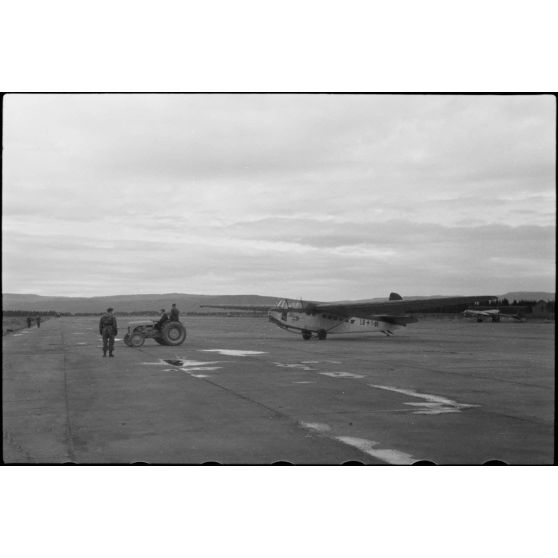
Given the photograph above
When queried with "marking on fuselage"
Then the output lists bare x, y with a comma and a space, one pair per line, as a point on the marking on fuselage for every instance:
433, 405
304, 382
341, 374
82, 343
233, 352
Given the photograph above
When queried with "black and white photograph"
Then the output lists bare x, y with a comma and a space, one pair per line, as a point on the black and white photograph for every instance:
278, 278
256, 279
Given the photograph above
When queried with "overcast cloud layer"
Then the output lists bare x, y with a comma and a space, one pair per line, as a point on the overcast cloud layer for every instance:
323, 197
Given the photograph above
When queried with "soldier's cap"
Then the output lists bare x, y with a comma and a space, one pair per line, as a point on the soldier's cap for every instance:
110, 309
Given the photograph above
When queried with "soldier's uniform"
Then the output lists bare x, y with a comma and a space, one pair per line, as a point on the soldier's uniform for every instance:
108, 328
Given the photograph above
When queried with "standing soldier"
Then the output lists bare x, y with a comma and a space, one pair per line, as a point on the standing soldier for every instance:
38, 321
28, 321
174, 314
108, 328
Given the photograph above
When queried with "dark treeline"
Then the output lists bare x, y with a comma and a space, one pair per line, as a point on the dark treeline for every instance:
548, 305
52, 313
25, 313
527, 305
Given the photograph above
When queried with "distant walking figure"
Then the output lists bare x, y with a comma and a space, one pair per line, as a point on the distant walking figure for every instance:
174, 314
29, 321
108, 328
38, 321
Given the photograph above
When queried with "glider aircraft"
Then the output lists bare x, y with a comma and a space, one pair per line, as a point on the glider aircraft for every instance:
309, 318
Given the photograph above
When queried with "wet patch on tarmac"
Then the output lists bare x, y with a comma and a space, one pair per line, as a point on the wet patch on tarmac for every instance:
186, 366
391, 456
433, 405
341, 375
233, 352
304, 365
316, 426
192, 364
300, 366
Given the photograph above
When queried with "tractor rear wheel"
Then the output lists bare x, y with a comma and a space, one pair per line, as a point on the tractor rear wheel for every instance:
173, 333
159, 340
137, 340
127, 340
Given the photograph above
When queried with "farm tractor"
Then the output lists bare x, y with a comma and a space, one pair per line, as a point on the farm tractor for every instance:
171, 333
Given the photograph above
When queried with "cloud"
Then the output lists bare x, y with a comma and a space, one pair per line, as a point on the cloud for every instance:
314, 195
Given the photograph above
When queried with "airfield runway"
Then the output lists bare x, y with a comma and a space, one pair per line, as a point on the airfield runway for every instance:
242, 391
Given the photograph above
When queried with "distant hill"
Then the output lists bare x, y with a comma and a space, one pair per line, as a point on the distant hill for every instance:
185, 302
126, 303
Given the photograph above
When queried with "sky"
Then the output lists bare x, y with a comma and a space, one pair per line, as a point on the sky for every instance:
322, 197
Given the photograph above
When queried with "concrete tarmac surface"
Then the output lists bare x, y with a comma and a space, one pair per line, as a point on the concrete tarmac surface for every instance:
240, 390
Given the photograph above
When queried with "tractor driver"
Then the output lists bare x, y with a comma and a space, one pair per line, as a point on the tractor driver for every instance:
164, 318
174, 314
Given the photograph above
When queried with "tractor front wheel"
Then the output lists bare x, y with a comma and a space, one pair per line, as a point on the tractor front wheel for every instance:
137, 340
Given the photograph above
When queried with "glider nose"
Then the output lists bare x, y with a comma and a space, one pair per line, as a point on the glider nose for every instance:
273, 317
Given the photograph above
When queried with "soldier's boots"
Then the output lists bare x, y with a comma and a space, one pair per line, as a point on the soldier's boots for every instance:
104, 354
111, 355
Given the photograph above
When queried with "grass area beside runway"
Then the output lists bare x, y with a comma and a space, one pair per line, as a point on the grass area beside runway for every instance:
11, 324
